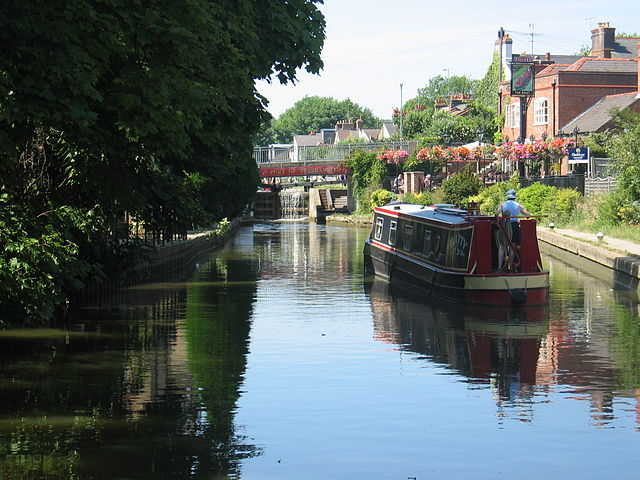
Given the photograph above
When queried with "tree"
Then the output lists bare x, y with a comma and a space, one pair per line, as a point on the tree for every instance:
315, 113
108, 108
442, 87
623, 205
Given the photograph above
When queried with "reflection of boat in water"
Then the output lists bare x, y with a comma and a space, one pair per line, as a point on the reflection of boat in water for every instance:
478, 342
453, 254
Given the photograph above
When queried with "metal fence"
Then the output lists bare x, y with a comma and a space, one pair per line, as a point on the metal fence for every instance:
319, 153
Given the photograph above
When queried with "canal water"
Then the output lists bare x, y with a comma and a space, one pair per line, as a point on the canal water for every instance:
279, 359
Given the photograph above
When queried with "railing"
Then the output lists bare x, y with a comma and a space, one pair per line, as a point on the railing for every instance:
327, 153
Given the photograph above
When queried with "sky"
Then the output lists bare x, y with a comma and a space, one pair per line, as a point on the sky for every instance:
372, 47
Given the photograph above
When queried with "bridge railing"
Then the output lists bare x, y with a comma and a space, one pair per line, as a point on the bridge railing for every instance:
320, 153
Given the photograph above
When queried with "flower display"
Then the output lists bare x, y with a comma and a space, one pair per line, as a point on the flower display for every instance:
537, 151
455, 154
393, 156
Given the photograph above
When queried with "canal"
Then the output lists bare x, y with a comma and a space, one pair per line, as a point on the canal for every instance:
279, 359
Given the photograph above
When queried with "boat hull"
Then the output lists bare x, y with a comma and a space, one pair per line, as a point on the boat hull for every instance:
498, 289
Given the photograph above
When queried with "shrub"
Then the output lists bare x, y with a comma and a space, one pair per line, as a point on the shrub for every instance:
490, 198
381, 197
566, 201
423, 198
458, 188
538, 198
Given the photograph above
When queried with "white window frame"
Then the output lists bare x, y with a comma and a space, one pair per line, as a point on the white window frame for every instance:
512, 115
541, 111
393, 233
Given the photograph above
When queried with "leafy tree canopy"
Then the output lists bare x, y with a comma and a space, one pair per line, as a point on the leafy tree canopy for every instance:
314, 113
442, 87
147, 108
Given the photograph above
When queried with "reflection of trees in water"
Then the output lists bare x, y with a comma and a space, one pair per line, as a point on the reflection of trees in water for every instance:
593, 345
142, 389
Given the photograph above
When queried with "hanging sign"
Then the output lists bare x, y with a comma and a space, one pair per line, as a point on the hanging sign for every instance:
522, 79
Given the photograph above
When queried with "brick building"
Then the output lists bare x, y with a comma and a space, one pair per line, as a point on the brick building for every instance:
567, 86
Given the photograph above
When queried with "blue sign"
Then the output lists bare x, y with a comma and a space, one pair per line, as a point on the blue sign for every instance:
578, 155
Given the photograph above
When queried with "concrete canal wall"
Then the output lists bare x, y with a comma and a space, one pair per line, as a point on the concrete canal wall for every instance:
621, 256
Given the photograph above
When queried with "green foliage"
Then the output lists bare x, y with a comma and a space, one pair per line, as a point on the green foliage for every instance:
110, 108
490, 198
565, 203
625, 148
37, 263
441, 87
381, 197
311, 114
422, 198
598, 142
584, 51
537, 198
222, 227
486, 94
367, 174
459, 187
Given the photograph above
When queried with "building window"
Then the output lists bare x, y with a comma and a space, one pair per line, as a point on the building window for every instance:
512, 115
541, 111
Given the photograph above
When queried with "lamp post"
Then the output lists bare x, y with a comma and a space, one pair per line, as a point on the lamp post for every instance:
448, 88
446, 138
480, 134
401, 114
576, 132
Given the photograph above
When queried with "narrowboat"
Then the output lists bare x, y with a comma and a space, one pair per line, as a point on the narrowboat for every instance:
454, 254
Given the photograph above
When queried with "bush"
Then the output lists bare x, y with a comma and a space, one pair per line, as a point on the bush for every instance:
538, 198
490, 198
566, 201
367, 174
458, 188
37, 266
423, 198
381, 197
618, 207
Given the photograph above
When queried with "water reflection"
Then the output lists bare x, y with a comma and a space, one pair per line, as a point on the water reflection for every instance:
493, 346
277, 359
143, 387
584, 345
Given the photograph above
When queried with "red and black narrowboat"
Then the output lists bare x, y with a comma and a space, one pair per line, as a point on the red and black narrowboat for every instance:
454, 254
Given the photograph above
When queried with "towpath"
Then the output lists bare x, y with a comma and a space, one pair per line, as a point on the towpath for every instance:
620, 255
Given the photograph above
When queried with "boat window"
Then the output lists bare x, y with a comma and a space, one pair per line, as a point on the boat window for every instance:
437, 254
461, 241
393, 230
379, 224
407, 238
426, 242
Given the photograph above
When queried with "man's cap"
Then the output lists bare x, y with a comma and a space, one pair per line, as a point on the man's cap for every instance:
511, 195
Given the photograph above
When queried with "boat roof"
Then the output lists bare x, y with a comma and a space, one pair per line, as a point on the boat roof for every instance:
439, 213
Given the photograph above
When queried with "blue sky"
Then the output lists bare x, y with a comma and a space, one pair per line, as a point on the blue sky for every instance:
373, 46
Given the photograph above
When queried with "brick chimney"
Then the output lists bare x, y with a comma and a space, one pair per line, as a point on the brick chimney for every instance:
603, 40
359, 123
